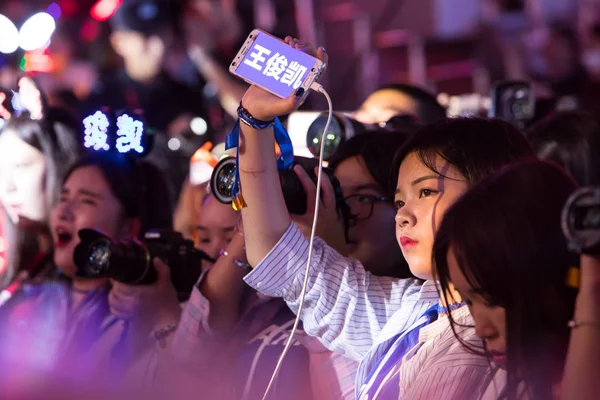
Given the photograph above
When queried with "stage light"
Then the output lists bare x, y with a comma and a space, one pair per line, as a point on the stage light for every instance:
9, 36
174, 144
199, 126
38, 61
36, 32
104, 9
54, 10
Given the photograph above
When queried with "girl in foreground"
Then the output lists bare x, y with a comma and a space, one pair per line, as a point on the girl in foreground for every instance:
518, 293
385, 323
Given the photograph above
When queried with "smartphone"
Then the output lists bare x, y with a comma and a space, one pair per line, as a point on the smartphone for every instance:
275, 66
513, 101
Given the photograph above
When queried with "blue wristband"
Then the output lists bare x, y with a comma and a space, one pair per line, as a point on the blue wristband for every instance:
252, 122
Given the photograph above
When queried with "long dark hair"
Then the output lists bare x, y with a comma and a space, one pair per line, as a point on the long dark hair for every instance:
377, 151
506, 238
476, 147
572, 140
56, 137
139, 186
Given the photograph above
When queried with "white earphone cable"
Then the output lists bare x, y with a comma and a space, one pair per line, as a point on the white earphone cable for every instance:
318, 88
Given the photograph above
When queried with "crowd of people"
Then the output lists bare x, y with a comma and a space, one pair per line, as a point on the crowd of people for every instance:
444, 271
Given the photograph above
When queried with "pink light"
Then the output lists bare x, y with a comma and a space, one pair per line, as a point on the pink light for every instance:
104, 9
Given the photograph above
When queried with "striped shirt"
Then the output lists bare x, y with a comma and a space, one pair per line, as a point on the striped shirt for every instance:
359, 315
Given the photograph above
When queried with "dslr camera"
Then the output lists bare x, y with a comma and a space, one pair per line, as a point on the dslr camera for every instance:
343, 127
513, 101
223, 176
581, 220
130, 261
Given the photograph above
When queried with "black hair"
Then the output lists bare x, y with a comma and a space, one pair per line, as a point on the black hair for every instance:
476, 147
55, 137
148, 17
139, 186
506, 238
429, 109
572, 140
376, 151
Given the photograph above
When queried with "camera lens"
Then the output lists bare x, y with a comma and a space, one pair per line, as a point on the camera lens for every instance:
99, 258
222, 179
334, 136
581, 220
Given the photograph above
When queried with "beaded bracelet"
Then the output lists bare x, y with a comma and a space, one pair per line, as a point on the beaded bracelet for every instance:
576, 324
252, 122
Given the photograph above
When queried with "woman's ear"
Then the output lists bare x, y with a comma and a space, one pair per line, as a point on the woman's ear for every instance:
131, 228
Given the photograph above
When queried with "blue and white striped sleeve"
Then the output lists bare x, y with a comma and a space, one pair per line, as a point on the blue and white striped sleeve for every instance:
345, 306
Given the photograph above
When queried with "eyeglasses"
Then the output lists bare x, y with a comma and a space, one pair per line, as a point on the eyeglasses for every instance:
361, 205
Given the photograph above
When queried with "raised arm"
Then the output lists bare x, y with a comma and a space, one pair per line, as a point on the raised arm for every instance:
346, 307
266, 217
580, 379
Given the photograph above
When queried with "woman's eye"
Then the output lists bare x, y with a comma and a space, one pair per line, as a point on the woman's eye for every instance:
364, 199
398, 204
89, 202
426, 193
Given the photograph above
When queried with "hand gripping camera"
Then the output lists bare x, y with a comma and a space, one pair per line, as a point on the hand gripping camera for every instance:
130, 261
223, 176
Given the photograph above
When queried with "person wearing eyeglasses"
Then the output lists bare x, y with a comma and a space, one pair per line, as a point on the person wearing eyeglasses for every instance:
362, 165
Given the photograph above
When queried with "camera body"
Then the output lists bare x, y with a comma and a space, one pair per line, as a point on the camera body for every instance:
223, 176
513, 101
580, 220
343, 127
130, 261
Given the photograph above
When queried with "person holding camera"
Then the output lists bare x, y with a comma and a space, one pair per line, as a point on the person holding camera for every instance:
536, 326
229, 336
78, 327
393, 327
362, 166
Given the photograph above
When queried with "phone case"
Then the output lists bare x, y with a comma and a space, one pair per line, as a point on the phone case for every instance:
313, 74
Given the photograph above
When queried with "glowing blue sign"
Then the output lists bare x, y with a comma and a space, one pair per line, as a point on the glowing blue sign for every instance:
130, 134
96, 128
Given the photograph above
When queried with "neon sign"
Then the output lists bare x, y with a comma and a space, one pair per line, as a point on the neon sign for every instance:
129, 134
96, 128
